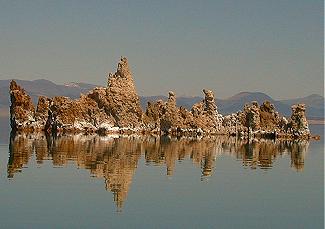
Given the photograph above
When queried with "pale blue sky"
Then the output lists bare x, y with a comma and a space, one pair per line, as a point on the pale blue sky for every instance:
228, 46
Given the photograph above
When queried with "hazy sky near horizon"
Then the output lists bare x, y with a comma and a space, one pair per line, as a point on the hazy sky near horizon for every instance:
228, 46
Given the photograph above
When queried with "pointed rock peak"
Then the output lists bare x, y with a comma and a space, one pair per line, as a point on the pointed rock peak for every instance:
208, 94
121, 95
21, 108
255, 103
298, 108
122, 76
171, 94
171, 98
210, 105
299, 122
123, 69
267, 106
14, 86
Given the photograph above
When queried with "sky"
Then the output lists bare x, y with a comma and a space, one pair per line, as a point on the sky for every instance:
228, 46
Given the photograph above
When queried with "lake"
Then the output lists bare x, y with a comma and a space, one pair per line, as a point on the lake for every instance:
149, 182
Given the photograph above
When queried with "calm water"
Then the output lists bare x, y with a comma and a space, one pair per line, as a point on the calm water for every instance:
132, 182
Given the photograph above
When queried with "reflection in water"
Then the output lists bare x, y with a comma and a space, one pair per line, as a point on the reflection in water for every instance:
115, 158
263, 153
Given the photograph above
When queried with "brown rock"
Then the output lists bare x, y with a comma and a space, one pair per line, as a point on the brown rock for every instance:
186, 118
42, 112
298, 121
269, 117
232, 124
205, 113
21, 109
252, 116
170, 116
210, 106
151, 118
86, 114
117, 109
123, 100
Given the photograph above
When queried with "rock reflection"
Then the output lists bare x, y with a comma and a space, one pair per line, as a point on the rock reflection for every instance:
115, 158
264, 152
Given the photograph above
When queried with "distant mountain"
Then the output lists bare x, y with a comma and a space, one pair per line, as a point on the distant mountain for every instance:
314, 103
35, 88
236, 102
43, 87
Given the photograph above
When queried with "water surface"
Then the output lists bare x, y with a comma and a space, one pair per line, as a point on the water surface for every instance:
148, 182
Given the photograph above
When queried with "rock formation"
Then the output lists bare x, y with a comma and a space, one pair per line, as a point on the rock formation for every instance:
42, 111
22, 109
102, 109
203, 117
269, 117
205, 113
83, 114
298, 122
252, 116
265, 121
116, 108
123, 100
151, 118
170, 114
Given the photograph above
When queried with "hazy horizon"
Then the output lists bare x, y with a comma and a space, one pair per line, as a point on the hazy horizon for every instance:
227, 46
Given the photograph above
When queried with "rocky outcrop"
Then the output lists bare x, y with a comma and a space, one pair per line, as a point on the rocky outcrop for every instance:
152, 116
102, 110
42, 112
264, 117
83, 114
203, 117
205, 113
298, 124
123, 100
116, 108
264, 121
252, 118
170, 115
21, 109
269, 117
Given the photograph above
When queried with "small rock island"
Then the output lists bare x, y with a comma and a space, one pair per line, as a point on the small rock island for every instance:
116, 109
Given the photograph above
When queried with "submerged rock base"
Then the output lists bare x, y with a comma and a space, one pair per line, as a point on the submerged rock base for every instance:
116, 109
